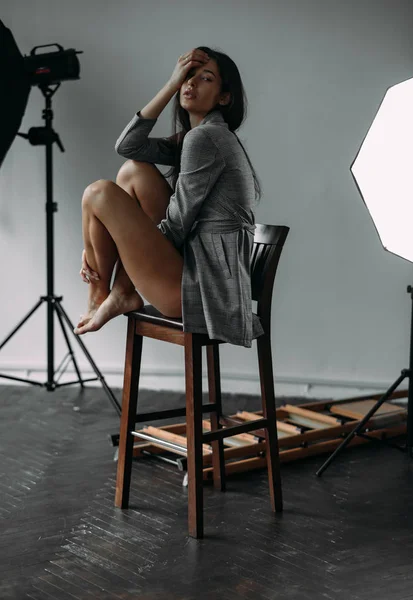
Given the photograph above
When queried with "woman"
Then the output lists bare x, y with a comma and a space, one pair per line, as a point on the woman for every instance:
185, 249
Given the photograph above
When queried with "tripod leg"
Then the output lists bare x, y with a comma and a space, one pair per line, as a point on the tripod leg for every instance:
362, 423
99, 375
409, 439
72, 355
22, 322
409, 442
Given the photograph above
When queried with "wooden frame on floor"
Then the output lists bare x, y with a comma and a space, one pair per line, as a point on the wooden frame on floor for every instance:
303, 430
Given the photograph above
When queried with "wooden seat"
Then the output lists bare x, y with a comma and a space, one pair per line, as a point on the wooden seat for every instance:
148, 322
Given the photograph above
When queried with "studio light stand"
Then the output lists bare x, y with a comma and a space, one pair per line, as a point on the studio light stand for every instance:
382, 174
360, 429
46, 136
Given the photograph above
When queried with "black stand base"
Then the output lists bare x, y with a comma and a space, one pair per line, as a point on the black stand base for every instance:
359, 429
55, 307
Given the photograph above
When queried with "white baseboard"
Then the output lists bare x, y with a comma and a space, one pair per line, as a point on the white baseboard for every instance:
174, 380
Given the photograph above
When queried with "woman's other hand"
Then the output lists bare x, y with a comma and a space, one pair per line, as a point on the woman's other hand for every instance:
189, 60
86, 273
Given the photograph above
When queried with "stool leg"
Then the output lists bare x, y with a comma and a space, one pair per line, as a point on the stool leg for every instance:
268, 406
214, 391
128, 415
193, 383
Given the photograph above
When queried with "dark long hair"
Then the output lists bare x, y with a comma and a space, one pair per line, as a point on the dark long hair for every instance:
234, 112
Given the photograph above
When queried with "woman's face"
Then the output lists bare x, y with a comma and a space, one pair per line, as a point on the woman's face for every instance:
200, 91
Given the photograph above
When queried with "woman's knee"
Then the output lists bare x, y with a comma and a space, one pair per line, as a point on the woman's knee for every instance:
144, 182
95, 190
131, 169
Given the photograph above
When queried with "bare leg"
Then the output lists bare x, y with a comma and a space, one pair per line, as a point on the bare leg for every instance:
147, 185
144, 183
102, 254
151, 262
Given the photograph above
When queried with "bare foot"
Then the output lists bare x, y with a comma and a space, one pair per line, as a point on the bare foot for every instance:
115, 304
94, 303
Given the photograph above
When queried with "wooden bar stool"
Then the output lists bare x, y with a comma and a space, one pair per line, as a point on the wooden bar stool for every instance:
148, 322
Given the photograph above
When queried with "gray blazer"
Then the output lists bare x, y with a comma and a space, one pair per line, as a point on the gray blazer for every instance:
210, 220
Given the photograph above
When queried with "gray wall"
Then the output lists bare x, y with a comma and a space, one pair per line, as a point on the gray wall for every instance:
315, 72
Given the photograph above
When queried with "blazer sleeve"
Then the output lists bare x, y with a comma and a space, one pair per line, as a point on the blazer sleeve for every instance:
201, 166
134, 143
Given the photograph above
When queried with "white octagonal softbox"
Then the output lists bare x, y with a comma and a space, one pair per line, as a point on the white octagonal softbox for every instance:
383, 170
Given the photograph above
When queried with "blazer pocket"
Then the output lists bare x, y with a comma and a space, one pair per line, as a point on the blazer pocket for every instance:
221, 255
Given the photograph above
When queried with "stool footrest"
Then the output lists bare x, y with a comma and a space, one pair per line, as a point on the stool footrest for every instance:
173, 412
220, 434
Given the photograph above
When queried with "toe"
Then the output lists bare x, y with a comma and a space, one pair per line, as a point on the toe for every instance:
79, 330
83, 321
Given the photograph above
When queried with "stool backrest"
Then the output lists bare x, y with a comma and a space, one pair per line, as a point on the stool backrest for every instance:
268, 244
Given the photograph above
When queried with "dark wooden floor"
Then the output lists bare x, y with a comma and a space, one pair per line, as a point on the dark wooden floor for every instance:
348, 535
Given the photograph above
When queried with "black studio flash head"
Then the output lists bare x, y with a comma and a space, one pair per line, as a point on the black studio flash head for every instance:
48, 68
20, 73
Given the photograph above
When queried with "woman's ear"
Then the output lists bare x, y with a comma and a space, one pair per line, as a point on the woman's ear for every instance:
225, 99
